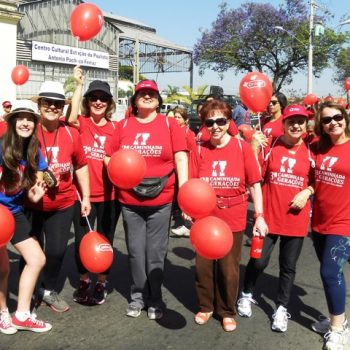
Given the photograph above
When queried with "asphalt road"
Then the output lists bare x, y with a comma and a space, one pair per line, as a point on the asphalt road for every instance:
107, 327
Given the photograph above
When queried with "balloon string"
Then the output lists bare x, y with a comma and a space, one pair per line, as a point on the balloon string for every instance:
86, 217
262, 148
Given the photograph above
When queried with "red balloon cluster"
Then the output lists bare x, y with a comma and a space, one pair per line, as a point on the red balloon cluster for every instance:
347, 84
96, 253
341, 102
86, 21
211, 237
20, 75
329, 98
7, 224
126, 168
247, 131
196, 198
255, 90
310, 99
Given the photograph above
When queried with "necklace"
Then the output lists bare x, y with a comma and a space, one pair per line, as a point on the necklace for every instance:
294, 151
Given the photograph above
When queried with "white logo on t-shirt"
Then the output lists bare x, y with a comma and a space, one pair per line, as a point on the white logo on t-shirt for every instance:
54, 151
328, 162
99, 141
288, 163
143, 137
219, 165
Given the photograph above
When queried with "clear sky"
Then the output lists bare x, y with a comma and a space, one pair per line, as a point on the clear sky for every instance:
180, 21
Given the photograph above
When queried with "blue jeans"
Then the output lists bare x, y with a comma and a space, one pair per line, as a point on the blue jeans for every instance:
333, 252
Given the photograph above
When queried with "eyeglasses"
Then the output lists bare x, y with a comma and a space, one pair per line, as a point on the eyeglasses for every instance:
292, 121
150, 93
219, 122
102, 98
273, 102
48, 103
336, 118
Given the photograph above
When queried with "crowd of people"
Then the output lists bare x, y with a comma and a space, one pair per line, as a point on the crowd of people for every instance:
54, 175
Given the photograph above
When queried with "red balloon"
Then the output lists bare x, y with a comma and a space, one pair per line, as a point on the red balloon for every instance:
86, 21
126, 168
7, 224
211, 237
329, 98
196, 198
247, 131
341, 102
20, 74
310, 99
96, 253
255, 90
347, 84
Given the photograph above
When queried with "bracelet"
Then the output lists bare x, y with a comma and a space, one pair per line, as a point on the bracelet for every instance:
310, 189
258, 215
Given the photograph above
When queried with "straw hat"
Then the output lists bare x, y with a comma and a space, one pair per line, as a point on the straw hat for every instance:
52, 90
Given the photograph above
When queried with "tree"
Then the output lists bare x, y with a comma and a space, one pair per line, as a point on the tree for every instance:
342, 64
127, 73
69, 86
245, 39
187, 99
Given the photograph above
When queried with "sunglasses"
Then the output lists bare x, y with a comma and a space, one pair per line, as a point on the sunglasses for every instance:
336, 118
48, 103
102, 98
219, 122
274, 103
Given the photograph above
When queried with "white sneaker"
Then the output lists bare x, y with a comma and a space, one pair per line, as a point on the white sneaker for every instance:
280, 319
181, 231
6, 326
335, 340
244, 304
321, 326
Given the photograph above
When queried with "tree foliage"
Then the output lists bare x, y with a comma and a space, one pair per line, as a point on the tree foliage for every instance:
245, 39
174, 95
342, 64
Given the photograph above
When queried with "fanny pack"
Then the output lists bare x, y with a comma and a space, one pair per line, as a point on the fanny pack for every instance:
151, 187
228, 202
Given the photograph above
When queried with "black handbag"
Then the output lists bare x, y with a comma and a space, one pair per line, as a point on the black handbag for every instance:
151, 187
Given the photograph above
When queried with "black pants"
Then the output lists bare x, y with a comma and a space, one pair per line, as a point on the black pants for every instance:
52, 230
106, 215
290, 248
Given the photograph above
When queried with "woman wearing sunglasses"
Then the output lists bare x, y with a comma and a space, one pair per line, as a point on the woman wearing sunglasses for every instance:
146, 218
52, 216
272, 124
96, 128
331, 216
229, 165
286, 165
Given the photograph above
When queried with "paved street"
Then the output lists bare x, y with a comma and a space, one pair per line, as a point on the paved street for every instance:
106, 326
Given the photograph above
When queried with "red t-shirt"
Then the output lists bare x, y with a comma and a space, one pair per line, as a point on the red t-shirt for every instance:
65, 152
93, 138
331, 211
228, 170
3, 128
273, 128
286, 171
157, 141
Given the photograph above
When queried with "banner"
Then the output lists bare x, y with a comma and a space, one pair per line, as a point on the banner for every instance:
69, 55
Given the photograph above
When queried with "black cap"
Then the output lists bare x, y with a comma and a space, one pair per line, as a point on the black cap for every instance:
98, 85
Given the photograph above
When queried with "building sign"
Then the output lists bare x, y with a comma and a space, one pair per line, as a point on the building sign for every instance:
69, 55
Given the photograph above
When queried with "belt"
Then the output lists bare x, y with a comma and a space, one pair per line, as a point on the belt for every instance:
228, 202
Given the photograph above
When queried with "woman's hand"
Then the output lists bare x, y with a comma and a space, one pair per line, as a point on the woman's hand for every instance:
300, 199
260, 138
78, 75
260, 227
85, 206
37, 192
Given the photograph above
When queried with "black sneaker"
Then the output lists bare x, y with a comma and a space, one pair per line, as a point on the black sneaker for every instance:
81, 295
100, 294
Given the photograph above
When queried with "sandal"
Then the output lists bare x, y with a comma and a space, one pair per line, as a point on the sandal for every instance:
229, 324
202, 317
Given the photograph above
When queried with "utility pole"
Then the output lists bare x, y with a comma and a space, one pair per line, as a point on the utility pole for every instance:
311, 39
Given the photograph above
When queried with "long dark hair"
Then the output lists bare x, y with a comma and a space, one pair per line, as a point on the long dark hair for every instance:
324, 139
14, 149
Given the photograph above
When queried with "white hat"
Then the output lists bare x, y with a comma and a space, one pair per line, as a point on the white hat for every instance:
22, 106
52, 90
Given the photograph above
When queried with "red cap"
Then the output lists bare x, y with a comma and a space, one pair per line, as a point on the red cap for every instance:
7, 104
147, 85
294, 110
